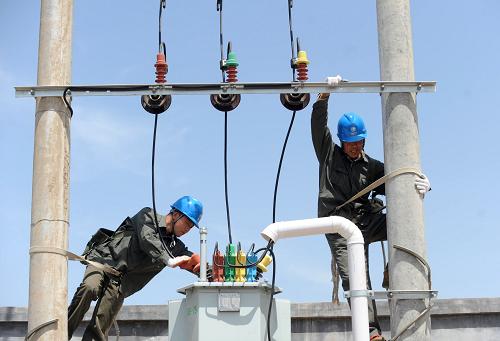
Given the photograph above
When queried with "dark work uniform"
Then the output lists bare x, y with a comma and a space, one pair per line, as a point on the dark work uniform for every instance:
340, 178
135, 249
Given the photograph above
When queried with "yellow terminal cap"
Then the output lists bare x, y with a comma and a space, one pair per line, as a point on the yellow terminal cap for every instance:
264, 263
302, 58
241, 259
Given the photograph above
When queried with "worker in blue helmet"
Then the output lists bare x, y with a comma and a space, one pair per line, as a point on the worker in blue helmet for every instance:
137, 251
345, 170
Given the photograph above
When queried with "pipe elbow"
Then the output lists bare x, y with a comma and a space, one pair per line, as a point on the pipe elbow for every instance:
271, 232
347, 229
299, 228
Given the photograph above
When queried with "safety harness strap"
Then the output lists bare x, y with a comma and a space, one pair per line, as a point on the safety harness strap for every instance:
380, 181
72, 256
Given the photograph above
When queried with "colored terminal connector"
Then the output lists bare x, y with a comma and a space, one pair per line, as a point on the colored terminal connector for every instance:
226, 102
301, 66
157, 104
251, 259
241, 259
161, 68
262, 266
231, 68
217, 265
230, 259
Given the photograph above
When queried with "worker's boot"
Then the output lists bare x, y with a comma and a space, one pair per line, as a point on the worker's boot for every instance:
385, 281
375, 335
377, 338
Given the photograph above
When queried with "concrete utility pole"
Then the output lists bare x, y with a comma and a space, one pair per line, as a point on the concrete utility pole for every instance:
47, 310
401, 149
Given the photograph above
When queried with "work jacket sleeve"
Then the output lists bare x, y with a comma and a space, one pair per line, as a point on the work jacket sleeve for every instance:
378, 172
321, 136
149, 238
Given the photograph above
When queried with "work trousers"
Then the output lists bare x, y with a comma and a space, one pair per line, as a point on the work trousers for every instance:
95, 285
374, 228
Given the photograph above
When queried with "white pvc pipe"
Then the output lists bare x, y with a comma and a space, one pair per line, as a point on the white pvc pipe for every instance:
356, 259
203, 254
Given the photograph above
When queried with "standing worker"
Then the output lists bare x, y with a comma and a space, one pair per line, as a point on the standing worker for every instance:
344, 171
136, 252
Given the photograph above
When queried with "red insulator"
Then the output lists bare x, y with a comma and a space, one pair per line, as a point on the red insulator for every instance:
302, 72
218, 266
231, 72
161, 68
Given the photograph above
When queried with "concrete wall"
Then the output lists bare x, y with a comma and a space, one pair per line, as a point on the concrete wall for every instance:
454, 319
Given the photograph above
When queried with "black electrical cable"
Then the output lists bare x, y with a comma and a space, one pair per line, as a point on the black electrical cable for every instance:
272, 294
225, 180
270, 247
279, 166
221, 45
161, 44
96, 89
65, 93
153, 172
290, 5
221, 40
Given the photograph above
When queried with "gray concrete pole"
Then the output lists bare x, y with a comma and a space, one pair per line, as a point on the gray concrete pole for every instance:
405, 222
48, 283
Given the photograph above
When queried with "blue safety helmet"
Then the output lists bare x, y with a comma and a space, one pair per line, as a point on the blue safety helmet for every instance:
190, 207
351, 128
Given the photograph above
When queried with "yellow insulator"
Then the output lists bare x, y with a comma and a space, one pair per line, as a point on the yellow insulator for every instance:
264, 263
241, 259
302, 58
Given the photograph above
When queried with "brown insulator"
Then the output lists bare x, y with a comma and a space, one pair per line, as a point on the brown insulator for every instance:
302, 72
231, 72
161, 68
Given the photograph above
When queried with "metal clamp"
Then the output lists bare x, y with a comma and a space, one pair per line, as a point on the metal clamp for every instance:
359, 293
412, 294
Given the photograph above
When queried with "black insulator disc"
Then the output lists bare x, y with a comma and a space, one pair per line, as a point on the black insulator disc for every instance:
295, 102
156, 104
225, 102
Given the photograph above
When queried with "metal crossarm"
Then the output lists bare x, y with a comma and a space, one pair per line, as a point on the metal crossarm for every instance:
223, 88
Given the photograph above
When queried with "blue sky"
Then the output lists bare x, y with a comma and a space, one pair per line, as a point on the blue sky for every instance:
455, 43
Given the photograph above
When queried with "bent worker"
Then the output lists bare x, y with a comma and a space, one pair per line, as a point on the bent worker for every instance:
138, 251
344, 171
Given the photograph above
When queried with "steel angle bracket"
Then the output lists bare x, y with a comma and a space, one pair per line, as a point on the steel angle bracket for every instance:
395, 294
411, 294
359, 293
403, 294
223, 88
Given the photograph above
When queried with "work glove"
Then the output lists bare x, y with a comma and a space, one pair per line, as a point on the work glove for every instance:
191, 264
423, 185
176, 261
332, 81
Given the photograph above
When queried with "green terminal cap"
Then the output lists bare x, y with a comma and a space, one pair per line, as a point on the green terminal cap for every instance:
231, 249
231, 59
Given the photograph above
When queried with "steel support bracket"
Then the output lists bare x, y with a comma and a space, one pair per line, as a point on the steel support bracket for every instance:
405, 294
223, 88
358, 293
